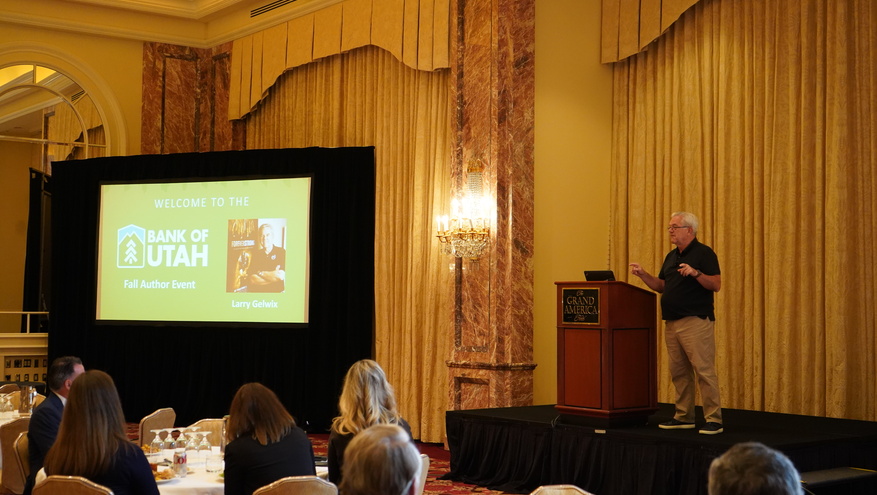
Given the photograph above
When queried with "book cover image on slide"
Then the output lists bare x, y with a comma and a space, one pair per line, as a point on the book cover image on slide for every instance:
256, 255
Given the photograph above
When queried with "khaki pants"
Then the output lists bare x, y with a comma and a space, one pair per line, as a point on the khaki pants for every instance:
691, 345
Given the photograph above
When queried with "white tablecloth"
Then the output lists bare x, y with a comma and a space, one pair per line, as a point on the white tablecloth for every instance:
197, 482
200, 482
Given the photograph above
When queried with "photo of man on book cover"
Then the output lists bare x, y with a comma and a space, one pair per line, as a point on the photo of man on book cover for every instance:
256, 255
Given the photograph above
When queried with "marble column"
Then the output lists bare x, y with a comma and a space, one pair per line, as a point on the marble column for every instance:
185, 100
493, 84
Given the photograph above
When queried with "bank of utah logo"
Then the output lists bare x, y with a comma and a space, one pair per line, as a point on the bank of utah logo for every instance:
131, 251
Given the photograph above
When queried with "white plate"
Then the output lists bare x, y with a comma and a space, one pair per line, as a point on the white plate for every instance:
159, 482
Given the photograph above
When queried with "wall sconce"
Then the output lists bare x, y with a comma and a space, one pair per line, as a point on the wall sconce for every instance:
466, 232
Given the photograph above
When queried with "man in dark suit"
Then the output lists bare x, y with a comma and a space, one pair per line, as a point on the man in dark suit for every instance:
46, 417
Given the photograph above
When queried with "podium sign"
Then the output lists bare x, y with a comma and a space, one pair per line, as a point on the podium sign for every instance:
606, 353
581, 305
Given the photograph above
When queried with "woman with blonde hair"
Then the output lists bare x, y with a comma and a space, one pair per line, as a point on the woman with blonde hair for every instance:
264, 444
367, 399
92, 442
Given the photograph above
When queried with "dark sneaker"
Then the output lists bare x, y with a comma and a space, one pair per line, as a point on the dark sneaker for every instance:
711, 429
675, 424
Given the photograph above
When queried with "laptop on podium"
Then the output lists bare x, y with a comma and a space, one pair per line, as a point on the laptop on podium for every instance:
599, 275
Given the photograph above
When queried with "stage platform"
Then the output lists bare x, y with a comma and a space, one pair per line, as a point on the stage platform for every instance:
518, 449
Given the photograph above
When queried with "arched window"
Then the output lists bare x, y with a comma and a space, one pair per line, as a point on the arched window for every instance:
42, 106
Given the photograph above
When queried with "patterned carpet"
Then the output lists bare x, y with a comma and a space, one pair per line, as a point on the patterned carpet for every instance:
439, 465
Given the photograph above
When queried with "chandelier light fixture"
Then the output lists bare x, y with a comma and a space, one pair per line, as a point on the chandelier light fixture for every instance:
465, 233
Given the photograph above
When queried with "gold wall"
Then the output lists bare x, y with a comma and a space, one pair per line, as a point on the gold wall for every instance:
573, 135
109, 69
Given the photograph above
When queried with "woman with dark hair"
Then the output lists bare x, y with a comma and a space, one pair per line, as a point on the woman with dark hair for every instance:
367, 399
92, 442
264, 444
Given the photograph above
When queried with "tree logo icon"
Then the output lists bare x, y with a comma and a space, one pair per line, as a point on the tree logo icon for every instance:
132, 247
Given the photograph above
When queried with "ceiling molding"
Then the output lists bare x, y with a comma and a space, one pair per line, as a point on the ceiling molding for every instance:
128, 33
238, 22
186, 9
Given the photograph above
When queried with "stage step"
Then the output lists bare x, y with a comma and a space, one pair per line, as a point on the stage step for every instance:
825, 477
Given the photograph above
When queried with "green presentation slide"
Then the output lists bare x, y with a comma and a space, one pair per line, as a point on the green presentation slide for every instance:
223, 251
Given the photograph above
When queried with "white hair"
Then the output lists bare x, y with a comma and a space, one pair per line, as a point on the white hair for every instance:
689, 219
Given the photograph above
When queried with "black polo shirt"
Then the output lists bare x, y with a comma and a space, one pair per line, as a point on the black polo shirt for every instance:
684, 296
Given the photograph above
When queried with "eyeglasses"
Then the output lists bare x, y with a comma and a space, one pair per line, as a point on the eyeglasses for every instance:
674, 227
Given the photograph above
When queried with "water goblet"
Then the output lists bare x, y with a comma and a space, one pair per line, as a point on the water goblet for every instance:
192, 442
157, 444
192, 453
169, 443
5, 406
204, 446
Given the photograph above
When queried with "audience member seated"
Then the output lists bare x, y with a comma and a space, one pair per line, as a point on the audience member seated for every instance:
46, 417
92, 440
264, 444
753, 469
381, 460
367, 399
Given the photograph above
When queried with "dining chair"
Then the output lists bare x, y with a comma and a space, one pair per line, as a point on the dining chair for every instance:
559, 490
298, 485
69, 485
9, 387
160, 418
216, 427
10, 476
424, 470
38, 399
22, 460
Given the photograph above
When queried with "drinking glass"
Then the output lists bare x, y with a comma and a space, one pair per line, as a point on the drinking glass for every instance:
214, 463
157, 443
192, 443
180, 441
5, 406
169, 443
205, 444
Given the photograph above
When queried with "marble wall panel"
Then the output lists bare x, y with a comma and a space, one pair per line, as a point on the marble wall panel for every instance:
477, 385
493, 70
185, 100
180, 115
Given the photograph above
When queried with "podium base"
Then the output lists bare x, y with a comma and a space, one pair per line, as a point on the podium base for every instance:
604, 419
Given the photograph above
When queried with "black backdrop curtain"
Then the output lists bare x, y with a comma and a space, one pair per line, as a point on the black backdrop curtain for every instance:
37, 266
197, 369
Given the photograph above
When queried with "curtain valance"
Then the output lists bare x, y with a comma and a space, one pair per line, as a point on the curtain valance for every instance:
416, 32
630, 25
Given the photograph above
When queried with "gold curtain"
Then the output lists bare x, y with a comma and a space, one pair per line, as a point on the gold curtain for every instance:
415, 31
761, 117
629, 26
368, 98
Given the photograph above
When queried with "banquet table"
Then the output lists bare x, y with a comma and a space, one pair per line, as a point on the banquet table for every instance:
199, 482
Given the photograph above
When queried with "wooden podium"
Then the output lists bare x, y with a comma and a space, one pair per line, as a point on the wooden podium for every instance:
606, 353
